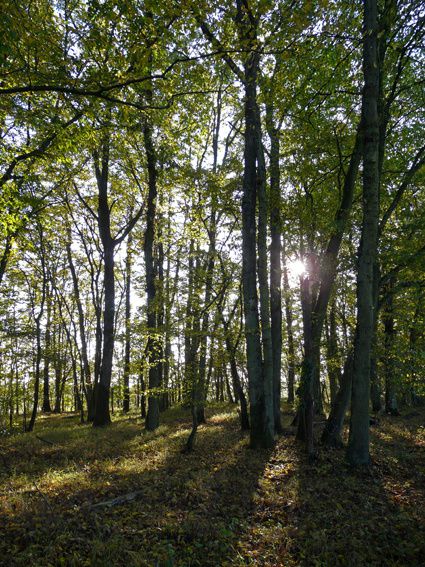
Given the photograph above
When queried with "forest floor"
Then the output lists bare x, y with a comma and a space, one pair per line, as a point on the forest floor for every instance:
72, 495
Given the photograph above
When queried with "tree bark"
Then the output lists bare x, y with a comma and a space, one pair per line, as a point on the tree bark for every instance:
102, 416
87, 380
289, 332
334, 371
358, 447
39, 353
237, 385
332, 433
46, 407
126, 376
391, 405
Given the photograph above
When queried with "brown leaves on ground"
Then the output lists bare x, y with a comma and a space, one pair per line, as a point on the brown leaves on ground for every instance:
121, 496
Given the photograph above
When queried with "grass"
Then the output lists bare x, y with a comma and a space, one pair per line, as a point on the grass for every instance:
223, 505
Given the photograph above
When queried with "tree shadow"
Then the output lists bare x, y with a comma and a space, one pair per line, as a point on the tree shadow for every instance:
327, 513
185, 510
223, 504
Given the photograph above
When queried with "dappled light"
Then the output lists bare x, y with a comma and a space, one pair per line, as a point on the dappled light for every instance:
212, 285
138, 499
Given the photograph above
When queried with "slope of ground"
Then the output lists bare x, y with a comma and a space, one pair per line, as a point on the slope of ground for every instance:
71, 495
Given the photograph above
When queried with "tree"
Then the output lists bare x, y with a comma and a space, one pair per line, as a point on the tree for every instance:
358, 447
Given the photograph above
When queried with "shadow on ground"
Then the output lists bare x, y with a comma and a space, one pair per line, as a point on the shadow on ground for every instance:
222, 505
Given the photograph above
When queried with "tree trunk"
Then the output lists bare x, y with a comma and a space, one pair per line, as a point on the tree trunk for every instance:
102, 416
391, 405
30, 426
237, 385
289, 332
306, 409
261, 433
87, 380
46, 407
206, 316
358, 447
275, 266
39, 353
152, 417
334, 371
263, 284
126, 377
332, 434
375, 382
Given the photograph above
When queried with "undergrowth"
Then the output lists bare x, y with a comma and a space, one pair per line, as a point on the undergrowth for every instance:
73, 495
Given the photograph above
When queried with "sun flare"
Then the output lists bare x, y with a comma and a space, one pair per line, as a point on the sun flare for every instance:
296, 268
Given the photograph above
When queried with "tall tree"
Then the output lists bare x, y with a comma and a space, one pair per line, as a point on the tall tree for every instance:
358, 447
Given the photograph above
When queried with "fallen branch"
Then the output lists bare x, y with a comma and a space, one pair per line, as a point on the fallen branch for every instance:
44, 440
118, 500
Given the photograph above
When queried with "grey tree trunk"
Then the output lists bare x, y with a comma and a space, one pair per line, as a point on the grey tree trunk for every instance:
332, 433
270, 416
38, 317
152, 416
358, 447
389, 363
46, 407
126, 376
334, 371
87, 379
289, 332
237, 385
261, 433
275, 265
210, 264
206, 316
102, 416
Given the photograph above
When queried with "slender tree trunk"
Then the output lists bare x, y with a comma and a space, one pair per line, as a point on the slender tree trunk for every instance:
210, 264
375, 382
237, 385
5, 256
263, 284
46, 407
143, 396
126, 377
161, 317
358, 447
102, 416
78, 406
192, 346
414, 335
206, 316
289, 333
332, 433
37, 370
334, 371
152, 417
306, 410
87, 380
391, 405
170, 295
275, 265
58, 365
30, 426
